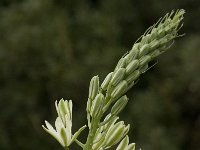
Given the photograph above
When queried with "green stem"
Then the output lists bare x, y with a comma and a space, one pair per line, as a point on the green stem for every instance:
92, 132
79, 143
95, 125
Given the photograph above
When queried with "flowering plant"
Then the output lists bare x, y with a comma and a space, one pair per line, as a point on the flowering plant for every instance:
111, 93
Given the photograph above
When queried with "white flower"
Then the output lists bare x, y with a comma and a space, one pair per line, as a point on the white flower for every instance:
63, 124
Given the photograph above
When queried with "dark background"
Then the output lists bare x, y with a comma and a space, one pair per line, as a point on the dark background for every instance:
50, 49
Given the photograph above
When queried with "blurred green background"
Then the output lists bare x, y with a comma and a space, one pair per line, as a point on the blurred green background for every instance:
50, 49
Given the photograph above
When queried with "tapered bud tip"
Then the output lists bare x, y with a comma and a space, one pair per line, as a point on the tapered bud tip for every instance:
94, 87
97, 105
118, 76
132, 66
119, 89
182, 11
106, 81
121, 63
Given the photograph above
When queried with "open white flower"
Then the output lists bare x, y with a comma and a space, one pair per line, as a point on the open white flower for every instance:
63, 124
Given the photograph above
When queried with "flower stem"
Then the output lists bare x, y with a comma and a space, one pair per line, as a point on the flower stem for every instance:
90, 138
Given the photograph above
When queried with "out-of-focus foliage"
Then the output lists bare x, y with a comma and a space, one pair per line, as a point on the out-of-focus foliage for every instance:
50, 49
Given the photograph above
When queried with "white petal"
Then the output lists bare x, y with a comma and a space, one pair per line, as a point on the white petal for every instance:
61, 108
54, 134
49, 126
68, 128
59, 124
68, 122
70, 108
67, 109
57, 109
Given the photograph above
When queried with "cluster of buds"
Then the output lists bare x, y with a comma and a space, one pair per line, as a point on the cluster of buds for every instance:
110, 133
105, 134
63, 124
154, 42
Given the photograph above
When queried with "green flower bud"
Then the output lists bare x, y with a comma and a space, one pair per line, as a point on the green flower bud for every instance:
97, 104
168, 28
166, 40
99, 144
146, 39
111, 121
134, 53
93, 91
116, 133
154, 45
121, 63
144, 68
106, 81
123, 144
153, 34
155, 53
144, 50
161, 33
132, 66
94, 87
117, 76
119, 105
133, 76
119, 89
144, 60
179, 15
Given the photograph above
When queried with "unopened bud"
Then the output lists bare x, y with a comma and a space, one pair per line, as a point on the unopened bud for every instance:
98, 144
132, 66
119, 105
123, 144
154, 44
144, 50
121, 63
106, 81
116, 133
134, 53
133, 76
119, 89
161, 33
166, 40
97, 104
144, 60
144, 68
110, 122
118, 76
146, 39
94, 87
155, 53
